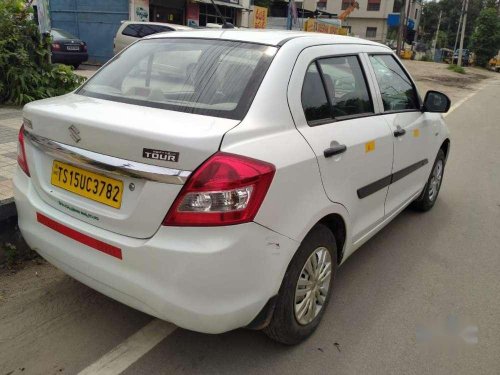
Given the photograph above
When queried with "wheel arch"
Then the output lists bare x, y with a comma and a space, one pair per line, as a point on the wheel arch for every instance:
445, 146
336, 224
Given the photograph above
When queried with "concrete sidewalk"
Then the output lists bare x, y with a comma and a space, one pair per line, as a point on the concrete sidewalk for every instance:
10, 121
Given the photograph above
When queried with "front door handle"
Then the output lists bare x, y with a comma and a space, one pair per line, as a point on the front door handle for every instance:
334, 150
399, 132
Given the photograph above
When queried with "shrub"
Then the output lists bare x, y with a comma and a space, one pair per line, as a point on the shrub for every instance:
26, 73
456, 68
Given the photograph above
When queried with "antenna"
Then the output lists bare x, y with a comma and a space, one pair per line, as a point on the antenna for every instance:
225, 25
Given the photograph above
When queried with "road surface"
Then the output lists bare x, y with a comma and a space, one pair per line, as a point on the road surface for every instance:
421, 297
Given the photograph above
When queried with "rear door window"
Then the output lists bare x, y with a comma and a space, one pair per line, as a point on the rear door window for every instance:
335, 89
203, 76
314, 100
346, 86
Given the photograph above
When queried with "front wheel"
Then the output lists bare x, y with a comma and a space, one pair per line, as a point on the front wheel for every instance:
431, 190
306, 288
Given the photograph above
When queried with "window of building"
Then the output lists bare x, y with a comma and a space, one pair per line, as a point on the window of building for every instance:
335, 88
373, 5
209, 15
321, 5
345, 4
398, 4
371, 32
396, 88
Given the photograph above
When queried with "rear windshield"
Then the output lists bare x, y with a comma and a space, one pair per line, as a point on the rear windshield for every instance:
203, 76
61, 34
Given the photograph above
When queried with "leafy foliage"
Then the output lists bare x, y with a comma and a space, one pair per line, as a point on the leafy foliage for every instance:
26, 73
456, 69
486, 37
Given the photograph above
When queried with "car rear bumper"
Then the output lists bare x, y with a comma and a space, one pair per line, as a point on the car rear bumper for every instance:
69, 57
204, 279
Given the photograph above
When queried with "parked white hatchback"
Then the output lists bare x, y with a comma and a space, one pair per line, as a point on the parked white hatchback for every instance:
217, 179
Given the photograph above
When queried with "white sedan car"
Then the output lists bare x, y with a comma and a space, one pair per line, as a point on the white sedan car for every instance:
217, 179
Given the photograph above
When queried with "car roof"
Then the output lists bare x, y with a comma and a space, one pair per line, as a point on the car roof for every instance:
172, 25
268, 37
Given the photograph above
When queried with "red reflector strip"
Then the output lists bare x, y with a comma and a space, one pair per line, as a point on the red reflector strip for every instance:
80, 237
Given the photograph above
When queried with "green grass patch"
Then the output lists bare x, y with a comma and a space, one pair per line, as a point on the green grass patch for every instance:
456, 69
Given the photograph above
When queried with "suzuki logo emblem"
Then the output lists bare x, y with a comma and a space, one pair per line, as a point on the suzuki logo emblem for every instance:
74, 133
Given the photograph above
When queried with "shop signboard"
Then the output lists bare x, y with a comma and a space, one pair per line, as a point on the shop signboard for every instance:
259, 17
193, 14
141, 10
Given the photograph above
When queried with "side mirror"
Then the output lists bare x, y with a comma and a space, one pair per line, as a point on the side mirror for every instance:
436, 101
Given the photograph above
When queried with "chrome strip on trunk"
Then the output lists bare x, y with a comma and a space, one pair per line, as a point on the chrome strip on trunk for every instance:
104, 163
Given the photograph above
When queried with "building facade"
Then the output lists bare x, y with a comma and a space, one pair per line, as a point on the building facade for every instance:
96, 21
370, 21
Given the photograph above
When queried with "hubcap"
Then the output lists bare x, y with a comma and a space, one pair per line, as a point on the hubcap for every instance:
435, 183
312, 286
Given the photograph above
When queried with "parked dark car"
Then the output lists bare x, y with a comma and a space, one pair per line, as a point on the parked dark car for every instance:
465, 57
67, 48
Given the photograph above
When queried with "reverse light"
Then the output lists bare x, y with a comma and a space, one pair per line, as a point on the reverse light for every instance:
226, 189
21, 152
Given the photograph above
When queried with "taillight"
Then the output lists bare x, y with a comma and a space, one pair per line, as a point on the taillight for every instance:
227, 189
21, 152
84, 47
56, 47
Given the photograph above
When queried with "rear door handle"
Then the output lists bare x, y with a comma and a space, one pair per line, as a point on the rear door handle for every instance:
334, 150
399, 132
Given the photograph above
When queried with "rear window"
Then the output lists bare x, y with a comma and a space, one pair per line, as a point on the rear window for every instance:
209, 77
61, 34
142, 30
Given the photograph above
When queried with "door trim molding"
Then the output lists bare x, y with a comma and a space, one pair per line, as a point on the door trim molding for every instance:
373, 187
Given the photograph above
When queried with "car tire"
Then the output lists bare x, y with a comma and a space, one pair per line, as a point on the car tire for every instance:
76, 66
431, 190
287, 325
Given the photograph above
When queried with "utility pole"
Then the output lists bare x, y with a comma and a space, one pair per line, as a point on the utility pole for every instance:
436, 38
458, 28
400, 30
459, 63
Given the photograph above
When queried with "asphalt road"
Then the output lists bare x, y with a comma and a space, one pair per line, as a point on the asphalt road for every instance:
408, 302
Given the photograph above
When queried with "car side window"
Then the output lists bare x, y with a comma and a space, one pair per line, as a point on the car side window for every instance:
346, 86
314, 100
396, 88
131, 30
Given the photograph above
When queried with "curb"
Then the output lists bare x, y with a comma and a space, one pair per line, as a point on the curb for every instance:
7, 209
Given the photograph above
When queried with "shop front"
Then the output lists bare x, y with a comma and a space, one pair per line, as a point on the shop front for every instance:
169, 11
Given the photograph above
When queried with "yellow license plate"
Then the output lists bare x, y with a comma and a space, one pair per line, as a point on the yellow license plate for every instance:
87, 184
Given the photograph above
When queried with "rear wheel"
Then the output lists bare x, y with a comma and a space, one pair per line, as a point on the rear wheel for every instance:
306, 288
76, 66
431, 191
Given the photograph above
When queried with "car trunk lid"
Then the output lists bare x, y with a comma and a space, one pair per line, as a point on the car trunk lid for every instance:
149, 151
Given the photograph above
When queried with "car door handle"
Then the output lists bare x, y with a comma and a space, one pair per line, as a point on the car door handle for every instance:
399, 132
335, 150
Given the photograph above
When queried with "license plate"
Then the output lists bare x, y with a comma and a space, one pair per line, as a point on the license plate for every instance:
87, 184
73, 48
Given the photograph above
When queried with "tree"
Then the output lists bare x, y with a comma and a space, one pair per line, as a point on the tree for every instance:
486, 37
26, 73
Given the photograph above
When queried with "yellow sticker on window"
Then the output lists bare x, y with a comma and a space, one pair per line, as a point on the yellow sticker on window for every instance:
416, 133
369, 146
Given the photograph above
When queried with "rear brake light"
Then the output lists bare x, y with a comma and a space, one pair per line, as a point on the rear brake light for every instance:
227, 189
55, 46
21, 152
